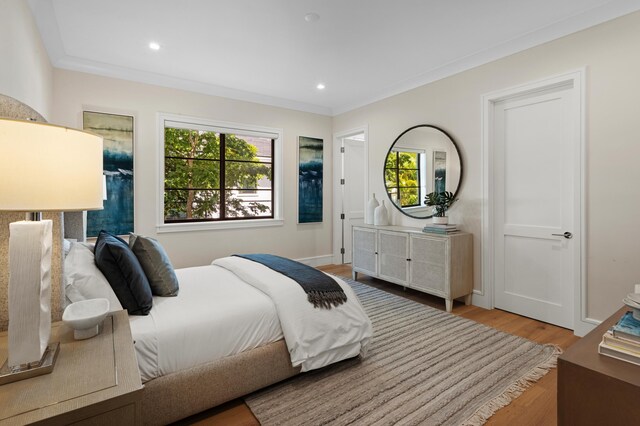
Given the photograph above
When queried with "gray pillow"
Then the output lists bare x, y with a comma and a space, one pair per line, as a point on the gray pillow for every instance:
156, 265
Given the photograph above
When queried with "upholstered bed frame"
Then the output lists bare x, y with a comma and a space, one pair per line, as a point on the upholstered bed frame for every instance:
178, 395
184, 393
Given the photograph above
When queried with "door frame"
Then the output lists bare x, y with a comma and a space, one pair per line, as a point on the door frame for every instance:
485, 296
337, 190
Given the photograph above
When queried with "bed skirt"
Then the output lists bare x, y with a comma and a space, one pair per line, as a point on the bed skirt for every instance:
178, 395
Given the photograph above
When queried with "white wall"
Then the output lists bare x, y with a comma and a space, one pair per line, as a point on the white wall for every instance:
74, 91
25, 71
25, 75
610, 53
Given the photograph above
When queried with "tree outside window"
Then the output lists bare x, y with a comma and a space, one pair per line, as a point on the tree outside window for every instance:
402, 178
213, 176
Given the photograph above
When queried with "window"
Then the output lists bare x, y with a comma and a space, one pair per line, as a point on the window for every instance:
403, 177
215, 173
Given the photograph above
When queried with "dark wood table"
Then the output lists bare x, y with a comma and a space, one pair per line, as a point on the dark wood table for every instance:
595, 389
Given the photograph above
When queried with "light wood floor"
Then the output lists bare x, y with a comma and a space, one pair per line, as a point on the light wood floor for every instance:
535, 407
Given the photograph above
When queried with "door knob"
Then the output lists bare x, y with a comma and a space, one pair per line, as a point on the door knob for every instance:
568, 235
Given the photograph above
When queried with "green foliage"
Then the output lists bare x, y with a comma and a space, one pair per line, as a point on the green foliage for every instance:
440, 200
402, 177
193, 175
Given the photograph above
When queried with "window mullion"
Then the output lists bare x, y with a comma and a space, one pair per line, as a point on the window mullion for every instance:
273, 184
398, 178
223, 182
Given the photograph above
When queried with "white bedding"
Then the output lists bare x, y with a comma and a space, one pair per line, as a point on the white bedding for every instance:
215, 315
315, 337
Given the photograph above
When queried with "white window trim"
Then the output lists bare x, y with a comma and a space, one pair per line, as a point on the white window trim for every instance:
270, 132
402, 149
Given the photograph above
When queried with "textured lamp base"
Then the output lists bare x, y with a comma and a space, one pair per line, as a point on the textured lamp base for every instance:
30, 244
26, 371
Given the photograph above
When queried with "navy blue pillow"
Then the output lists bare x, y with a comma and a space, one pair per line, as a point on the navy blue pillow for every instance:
122, 269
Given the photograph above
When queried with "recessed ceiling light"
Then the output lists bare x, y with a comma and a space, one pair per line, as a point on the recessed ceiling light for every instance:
311, 17
154, 46
320, 86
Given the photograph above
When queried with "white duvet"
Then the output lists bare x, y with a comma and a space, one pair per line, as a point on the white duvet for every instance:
215, 315
315, 337
235, 305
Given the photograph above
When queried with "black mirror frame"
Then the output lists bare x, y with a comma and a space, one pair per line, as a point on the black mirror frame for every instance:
455, 145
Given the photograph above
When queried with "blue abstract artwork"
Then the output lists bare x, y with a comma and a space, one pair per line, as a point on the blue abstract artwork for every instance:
439, 171
117, 131
310, 168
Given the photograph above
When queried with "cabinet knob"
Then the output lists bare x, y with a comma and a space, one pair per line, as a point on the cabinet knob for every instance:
408, 260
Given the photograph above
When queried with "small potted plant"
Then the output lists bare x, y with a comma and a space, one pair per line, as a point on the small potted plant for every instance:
440, 201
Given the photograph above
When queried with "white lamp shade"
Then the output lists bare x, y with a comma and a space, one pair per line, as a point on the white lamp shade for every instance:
49, 168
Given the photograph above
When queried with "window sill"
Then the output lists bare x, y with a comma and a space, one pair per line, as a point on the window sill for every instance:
417, 209
206, 226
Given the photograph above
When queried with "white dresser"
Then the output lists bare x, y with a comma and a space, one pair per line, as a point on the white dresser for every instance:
441, 265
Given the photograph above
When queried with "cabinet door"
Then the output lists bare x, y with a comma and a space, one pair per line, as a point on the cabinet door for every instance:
428, 264
393, 248
364, 251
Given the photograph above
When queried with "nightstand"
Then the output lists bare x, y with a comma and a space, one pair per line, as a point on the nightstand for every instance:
595, 389
95, 381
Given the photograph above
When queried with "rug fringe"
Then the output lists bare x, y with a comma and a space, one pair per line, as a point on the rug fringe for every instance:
514, 390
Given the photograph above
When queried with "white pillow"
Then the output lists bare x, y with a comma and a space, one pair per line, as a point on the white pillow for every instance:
66, 247
83, 280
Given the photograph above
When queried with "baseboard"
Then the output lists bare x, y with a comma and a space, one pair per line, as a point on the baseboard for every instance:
314, 261
580, 328
585, 326
481, 299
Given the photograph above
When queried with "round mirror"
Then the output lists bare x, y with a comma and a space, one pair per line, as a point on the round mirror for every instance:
422, 159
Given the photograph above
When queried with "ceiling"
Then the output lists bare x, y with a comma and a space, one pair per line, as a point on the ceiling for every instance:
265, 51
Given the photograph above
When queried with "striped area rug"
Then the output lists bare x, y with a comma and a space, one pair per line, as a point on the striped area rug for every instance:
424, 367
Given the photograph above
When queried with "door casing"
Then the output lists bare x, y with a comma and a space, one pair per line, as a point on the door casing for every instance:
337, 187
484, 297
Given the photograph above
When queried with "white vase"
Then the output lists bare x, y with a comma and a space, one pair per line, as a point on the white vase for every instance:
440, 220
381, 215
370, 210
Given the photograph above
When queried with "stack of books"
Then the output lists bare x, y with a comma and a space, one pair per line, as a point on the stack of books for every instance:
622, 341
440, 229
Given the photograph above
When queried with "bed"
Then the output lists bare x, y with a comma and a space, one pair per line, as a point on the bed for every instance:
236, 326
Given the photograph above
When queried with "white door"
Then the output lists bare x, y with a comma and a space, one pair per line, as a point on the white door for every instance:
536, 155
353, 190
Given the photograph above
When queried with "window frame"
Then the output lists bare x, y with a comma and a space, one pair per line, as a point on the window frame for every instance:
418, 169
197, 123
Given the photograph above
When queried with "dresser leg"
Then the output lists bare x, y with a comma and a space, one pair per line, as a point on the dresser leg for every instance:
467, 299
448, 304
354, 275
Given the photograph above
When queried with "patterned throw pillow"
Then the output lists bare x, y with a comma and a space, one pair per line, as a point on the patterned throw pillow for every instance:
156, 265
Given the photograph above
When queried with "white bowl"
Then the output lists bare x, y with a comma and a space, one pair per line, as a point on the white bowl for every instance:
85, 317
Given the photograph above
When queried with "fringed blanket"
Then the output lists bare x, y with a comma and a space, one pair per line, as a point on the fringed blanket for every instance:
322, 290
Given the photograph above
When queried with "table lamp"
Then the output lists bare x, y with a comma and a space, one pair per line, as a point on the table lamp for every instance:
42, 168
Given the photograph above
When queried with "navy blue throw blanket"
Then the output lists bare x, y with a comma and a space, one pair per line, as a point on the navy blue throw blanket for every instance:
322, 290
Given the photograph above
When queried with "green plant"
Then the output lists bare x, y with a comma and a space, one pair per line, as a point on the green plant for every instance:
440, 200
193, 175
